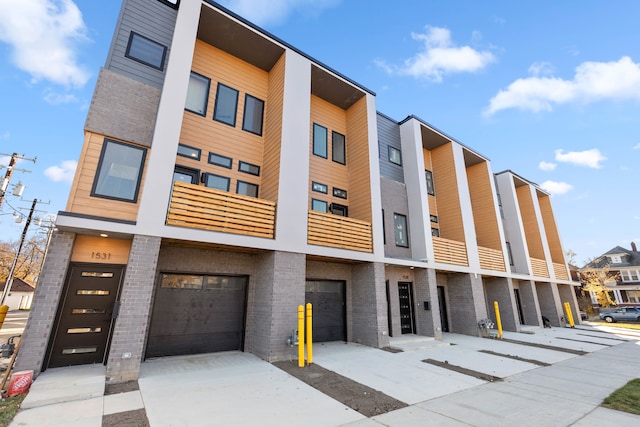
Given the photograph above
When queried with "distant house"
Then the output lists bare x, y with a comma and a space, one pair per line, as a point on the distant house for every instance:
20, 296
626, 287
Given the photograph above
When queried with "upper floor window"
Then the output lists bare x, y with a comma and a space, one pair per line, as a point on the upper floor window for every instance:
319, 205
429, 178
433, 218
435, 232
247, 189
339, 192
320, 188
226, 105
509, 253
146, 51
197, 94
341, 210
249, 168
253, 112
395, 156
338, 152
400, 228
189, 152
220, 160
119, 171
184, 174
216, 181
319, 140
615, 259
173, 3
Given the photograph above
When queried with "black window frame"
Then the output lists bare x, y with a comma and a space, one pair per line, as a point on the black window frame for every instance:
326, 145
313, 188
103, 151
384, 230
431, 188
128, 54
243, 163
244, 115
338, 192
216, 105
435, 232
406, 229
239, 182
206, 175
433, 218
193, 172
338, 207
390, 150
326, 205
206, 98
509, 253
222, 165
343, 150
171, 4
198, 150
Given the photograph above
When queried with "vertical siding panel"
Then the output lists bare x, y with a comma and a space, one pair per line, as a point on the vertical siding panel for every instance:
358, 160
433, 205
530, 222
551, 229
484, 213
273, 131
389, 136
448, 199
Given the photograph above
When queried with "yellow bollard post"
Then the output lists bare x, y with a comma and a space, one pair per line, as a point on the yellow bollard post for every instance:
3, 313
301, 336
567, 309
498, 320
309, 335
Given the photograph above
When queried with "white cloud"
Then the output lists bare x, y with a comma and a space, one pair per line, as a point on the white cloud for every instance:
541, 69
636, 147
43, 35
547, 166
589, 158
54, 98
440, 56
264, 12
593, 81
64, 172
556, 188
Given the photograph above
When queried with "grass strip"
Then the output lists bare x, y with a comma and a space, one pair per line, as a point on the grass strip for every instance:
626, 398
9, 408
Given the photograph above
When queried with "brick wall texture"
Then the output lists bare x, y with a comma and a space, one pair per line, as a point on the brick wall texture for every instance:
500, 289
549, 303
466, 303
529, 303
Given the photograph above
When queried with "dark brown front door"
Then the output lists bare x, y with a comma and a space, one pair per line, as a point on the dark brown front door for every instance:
407, 317
85, 317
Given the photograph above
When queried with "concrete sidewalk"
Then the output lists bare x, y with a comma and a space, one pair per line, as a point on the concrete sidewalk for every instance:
239, 389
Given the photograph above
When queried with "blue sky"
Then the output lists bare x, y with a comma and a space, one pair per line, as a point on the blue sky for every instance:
543, 88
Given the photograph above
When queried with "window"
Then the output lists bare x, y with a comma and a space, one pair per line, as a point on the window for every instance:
400, 227
384, 231
249, 168
173, 3
338, 153
146, 51
430, 188
247, 189
634, 275
395, 156
184, 174
626, 276
509, 253
219, 160
119, 171
226, 105
318, 205
337, 209
433, 218
197, 94
320, 188
253, 112
190, 152
319, 140
216, 181
337, 192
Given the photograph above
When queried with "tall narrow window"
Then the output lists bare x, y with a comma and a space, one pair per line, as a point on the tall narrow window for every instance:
395, 156
146, 51
509, 253
197, 94
338, 152
429, 178
253, 112
319, 140
119, 171
400, 228
226, 105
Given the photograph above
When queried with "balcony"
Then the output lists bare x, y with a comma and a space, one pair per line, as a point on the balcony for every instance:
560, 270
539, 267
450, 251
193, 206
339, 232
491, 259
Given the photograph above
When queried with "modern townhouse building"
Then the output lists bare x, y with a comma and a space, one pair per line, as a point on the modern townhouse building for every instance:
226, 178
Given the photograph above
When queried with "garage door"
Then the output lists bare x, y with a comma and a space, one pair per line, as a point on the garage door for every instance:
328, 300
197, 314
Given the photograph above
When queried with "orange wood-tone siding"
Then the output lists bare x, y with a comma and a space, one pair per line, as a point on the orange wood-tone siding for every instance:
446, 188
100, 250
273, 132
433, 205
450, 251
560, 270
484, 212
339, 232
80, 200
529, 222
539, 267
358, 161
213, 136
550, 228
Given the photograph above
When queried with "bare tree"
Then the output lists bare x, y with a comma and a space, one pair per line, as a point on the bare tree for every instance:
595, 279
28, 263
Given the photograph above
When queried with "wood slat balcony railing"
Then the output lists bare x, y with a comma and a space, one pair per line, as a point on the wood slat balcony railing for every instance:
339, 232
194, 206
450, 251
539, 267
560, 270
491, 259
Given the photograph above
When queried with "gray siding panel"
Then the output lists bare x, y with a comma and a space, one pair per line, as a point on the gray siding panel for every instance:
394, 200
149, 18
389, 135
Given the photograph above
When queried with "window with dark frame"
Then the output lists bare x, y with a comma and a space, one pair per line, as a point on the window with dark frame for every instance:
338, 192
384, 230
185, 174
320, 188
433, 218
509, 253
338, 209
146, 51
395, 156
189, 152
220, 160
435, 232
400, 229
247, 189
319, 205
319, 140
197, 94
217, 182
119, 171
253, 114
429, 178
226, 105
249, 168
172, 3
338, 150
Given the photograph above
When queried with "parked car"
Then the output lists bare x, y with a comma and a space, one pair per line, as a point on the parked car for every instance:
621, 314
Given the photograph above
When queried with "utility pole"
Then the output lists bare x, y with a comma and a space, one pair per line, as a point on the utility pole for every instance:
10, 168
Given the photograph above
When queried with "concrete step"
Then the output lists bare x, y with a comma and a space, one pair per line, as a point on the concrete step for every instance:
415, 342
